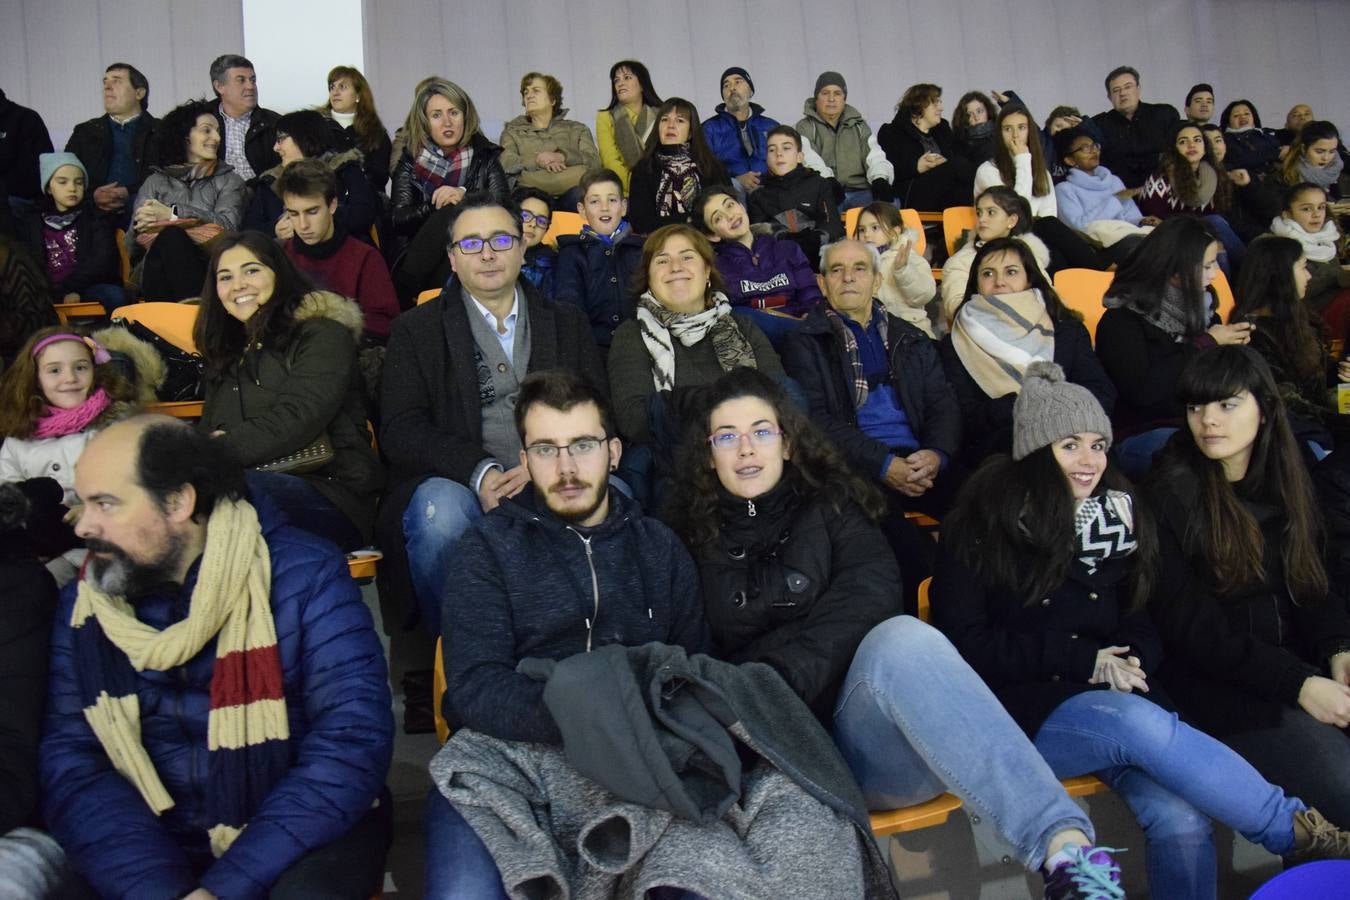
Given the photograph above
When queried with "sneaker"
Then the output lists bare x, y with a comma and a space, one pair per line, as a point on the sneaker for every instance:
1316, 838
1090, 874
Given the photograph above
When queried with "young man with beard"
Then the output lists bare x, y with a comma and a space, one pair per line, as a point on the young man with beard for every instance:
565, 566
218, 720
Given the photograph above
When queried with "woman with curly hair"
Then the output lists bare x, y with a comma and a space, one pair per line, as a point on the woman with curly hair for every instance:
675, 167
351, 107
188, 199
796, 575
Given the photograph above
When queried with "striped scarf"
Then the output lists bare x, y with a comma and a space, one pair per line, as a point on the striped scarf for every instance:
247, 730
851, 351
434, 168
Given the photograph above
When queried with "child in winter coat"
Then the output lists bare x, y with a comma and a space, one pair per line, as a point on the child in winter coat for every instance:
541, 260
596, 266
907, 283
59, 391
800, 204
74, 243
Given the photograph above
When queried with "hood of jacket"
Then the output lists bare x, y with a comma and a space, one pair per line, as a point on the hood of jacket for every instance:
527, 506
334, 159
149, 367
327, 305
847, 119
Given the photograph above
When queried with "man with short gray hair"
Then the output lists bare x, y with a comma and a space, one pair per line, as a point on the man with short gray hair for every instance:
249, 128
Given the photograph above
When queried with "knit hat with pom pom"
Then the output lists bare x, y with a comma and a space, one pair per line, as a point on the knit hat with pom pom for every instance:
1050, 408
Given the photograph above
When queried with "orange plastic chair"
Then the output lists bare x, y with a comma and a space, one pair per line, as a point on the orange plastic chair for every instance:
438, 692
1083, 290
851, 220
561, 223
956, 219
179, 409
172, 321
80, 309
1224, 292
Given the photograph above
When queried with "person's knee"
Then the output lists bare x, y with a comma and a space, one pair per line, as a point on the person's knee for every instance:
1164, 815
439, 512
903, 641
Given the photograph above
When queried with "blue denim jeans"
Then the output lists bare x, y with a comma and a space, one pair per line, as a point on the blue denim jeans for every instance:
438, 513
1174, 778
855, 198
458, 865
1135, 453
913, 720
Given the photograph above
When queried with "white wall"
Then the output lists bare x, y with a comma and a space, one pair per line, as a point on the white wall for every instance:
293, 73
1276, 52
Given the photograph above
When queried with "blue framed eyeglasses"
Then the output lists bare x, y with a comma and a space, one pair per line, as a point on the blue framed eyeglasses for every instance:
499, 242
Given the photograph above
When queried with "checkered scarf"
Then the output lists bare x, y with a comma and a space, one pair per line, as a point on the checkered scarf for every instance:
851, 351
247, 731
434, 169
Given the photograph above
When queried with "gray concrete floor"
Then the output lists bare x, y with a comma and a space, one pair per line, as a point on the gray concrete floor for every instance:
942, 863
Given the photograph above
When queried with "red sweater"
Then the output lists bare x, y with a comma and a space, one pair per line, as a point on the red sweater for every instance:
357, 271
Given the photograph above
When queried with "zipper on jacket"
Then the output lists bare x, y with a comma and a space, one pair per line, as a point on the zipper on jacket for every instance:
595, 588
750, 508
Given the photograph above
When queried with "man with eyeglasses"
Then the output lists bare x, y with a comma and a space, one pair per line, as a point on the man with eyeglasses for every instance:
451, 379
1135, 132
563, 567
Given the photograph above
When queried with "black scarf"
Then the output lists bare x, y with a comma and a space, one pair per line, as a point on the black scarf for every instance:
323, 249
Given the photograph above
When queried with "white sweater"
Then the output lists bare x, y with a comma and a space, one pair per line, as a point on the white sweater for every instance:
986, 176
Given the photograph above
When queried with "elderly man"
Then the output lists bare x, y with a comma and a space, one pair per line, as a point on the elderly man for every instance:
1135, 133
451, 378
737, 132
845, 142
248, 127
218, 719
896, 421
117, 148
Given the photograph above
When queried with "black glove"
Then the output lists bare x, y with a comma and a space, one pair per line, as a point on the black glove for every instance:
882, 190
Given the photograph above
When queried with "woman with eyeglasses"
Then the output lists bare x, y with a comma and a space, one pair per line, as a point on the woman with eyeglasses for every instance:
1094, 201
797, 576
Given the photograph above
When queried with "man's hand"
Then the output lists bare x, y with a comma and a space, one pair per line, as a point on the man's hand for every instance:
284, 229
110, 197
497, 485
900, 476
749, 181
924, 465
1326, 701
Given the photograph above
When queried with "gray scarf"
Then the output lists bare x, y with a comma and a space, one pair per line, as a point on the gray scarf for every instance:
1170, 316
1322, 176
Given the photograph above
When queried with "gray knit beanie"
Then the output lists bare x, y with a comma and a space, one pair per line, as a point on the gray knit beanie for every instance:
1050, 408
827, 78
48, 163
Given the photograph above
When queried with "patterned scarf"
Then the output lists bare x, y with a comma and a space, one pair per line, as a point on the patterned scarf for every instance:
630, 135
247, 731
61, 422
1170, 316
851, 351
1323, 176
679, 182
609, 240
60, 221
434, 169
997, 337
1104, 526
659, 325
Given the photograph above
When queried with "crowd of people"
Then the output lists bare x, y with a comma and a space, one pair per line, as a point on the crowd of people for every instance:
611, 470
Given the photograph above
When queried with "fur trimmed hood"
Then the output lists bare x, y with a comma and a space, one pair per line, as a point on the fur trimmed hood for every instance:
328, 305
333, 159
149, 365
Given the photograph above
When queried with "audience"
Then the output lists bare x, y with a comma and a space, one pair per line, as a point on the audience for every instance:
675, 167
117, 148
543, 149
247, 127
1133, 133
794, 200
930, 172
622, 127
1191, 181
595, 268
351, 106
844, 141
1000, 212
1250, 146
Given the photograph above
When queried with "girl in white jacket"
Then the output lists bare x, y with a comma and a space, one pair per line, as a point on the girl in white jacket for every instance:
58, 392
907, 283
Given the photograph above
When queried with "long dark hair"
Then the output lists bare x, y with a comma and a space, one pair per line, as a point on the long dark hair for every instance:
1013, 526
370, 131
1175, 249
221, 339
1228, 111
1185, 182
1222, 531
311, 131
710, 168
816, 469
1007, 167
649, 95
1035, 277
1265, 290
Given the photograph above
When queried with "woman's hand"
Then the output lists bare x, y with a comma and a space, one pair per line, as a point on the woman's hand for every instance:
150, 212
1122, 672
1128, 194
552, 160
1240, 177
1343, 371
1152, 221
1237, 333
72, 297
1325, 700
446, 195
998, 97
1340, 663
284, 229
930, 161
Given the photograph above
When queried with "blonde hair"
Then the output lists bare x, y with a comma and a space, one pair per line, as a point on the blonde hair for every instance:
419, 128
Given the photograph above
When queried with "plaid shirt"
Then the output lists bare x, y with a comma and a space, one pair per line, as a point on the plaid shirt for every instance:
235, 132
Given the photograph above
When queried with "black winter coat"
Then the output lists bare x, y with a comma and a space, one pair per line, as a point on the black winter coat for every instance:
1035, 656
1144, 362
23, 138
1132, 147
814, 357
806, 193
409, 207
597, 277
375, 162
797, 585
950, 184
92, 142
642, 186
1233, 660
987, 421
96, 259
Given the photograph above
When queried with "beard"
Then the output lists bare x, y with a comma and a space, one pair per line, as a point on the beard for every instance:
575, 515
119, 574
735, 103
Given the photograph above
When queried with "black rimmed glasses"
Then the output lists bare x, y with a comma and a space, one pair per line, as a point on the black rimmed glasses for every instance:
578, 449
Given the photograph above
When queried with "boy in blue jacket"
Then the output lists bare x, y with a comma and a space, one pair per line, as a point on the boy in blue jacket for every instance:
596, 266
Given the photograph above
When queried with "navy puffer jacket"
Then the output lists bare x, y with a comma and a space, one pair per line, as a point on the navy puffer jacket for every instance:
342, 736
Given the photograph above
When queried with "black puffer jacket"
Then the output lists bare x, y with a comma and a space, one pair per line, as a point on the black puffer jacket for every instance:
796, 584
410, 206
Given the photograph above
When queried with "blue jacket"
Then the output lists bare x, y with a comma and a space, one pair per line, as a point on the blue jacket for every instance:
769, 268
1090, 197
342, 737
722, 134
528, 585
540, 262
596, 277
